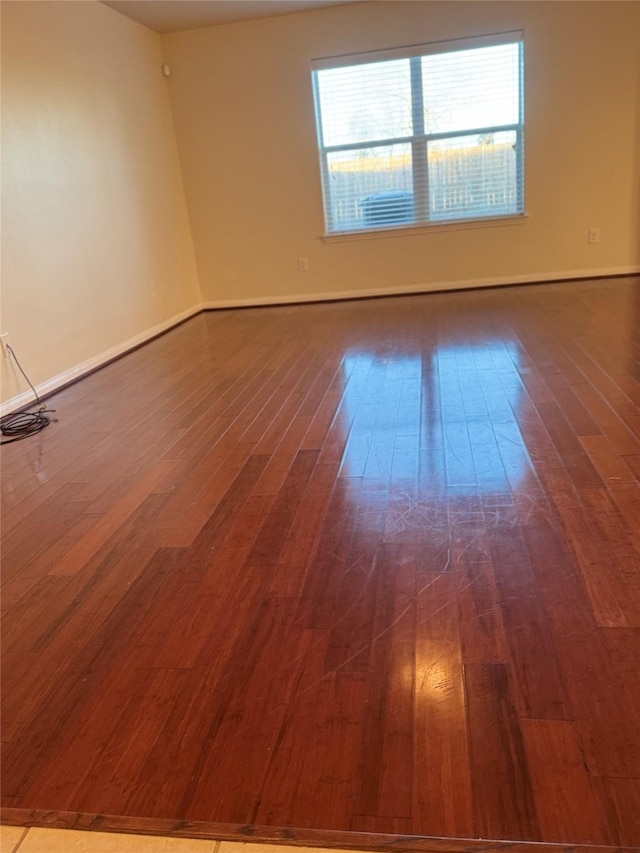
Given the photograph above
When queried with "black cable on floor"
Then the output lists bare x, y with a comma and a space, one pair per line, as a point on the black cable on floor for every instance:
23, 424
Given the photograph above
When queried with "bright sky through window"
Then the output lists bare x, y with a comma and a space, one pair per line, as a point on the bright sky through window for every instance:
471, 88
462, 90
383, 110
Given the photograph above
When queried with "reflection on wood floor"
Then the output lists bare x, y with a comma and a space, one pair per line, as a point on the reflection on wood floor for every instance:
366, 566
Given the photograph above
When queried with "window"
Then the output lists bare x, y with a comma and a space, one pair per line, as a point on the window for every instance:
432, 133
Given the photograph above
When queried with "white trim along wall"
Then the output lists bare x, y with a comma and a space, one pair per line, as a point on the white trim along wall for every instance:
79, 371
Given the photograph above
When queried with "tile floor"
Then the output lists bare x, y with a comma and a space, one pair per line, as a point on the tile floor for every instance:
36, 840
17, 839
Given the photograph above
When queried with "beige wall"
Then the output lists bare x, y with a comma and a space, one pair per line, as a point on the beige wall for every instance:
244, 117
96, 247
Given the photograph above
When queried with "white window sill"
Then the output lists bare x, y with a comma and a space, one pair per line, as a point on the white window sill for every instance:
426, 228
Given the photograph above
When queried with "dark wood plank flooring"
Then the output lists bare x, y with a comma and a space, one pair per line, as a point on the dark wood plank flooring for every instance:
367, 566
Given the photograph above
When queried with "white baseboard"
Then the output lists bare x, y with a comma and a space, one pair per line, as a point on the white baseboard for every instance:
103, 358
466, 284
97, 361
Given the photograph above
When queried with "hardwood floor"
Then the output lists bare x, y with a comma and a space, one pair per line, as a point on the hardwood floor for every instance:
355, 567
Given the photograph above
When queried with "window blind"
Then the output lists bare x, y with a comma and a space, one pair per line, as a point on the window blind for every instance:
434, 135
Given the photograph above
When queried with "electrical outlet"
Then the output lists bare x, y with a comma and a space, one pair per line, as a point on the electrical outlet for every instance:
593, 235
4, 342
303, 264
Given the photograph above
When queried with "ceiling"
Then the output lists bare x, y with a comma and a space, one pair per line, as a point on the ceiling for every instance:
168, 16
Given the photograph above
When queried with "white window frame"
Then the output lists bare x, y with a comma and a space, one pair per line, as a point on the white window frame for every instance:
419, 140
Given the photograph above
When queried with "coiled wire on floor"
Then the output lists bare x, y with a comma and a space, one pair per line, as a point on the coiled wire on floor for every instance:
24, 424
